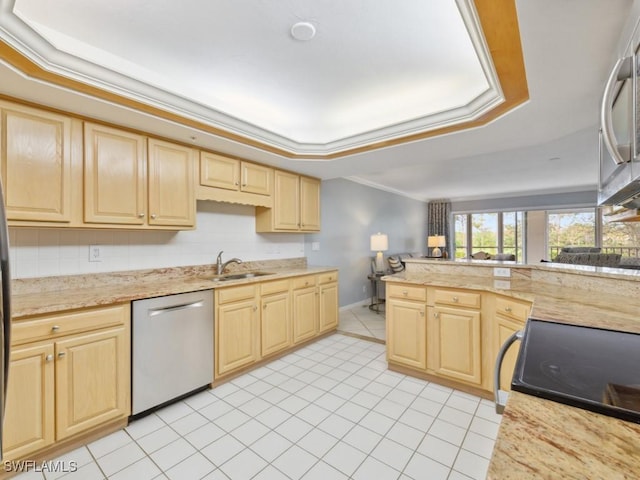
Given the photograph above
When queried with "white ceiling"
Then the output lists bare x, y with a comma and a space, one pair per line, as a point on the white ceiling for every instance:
548, 144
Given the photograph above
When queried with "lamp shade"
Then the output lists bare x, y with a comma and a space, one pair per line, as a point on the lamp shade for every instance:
432, 241
441, 241
379, 242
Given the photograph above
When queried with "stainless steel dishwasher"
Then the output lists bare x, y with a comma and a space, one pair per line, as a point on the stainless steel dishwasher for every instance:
172, 348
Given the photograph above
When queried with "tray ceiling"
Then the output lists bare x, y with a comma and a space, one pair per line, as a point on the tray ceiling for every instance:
375, 72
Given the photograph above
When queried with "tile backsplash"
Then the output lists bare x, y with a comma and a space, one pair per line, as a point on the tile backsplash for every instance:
41, 252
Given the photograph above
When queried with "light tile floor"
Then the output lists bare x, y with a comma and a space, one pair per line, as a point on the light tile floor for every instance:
363, 322
330, 410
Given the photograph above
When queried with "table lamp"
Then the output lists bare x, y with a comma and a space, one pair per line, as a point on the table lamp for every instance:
379, 244
435, 242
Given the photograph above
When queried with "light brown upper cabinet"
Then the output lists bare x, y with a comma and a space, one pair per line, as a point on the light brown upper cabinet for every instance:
232, 174
123, 187
296, 205
35, 147
171, 184
227, 179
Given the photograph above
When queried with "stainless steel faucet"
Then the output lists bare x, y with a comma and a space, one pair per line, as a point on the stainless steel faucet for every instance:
221, 266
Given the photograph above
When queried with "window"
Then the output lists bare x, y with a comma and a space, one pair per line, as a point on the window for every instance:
589, 228
621, 237
495, 232
575, 228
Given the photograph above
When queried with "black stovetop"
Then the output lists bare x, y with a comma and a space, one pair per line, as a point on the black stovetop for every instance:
590, 368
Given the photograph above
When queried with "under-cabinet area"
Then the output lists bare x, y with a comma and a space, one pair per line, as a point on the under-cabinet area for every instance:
452, 335
61, 170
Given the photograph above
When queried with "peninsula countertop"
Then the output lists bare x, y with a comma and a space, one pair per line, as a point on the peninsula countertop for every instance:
37, 296
538, 438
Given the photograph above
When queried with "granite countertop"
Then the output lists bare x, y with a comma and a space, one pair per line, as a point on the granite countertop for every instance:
55, 294
541, 439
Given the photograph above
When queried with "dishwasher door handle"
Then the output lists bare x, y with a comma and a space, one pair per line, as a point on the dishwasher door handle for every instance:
173, 308
501, 395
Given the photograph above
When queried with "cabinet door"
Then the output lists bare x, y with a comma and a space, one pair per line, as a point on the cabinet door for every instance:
305, 314
171, 184
114, 176
29, 416
505, 326
407, 333
328, 307
92, 380
286, 207
35, 147
309, 204
275, 323
236, 336
218, 171
256, 179
454, 341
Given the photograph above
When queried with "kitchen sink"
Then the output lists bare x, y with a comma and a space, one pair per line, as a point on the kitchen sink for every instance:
238, 276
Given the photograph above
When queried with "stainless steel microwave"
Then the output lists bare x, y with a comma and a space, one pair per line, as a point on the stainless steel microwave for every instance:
619, 175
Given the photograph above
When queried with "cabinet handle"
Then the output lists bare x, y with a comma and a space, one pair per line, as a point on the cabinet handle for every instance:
421, 313
264, 307
55, 328
255, 307
244, 184
455, 299
236, 184
141, 215
507, 309
436, 315
48, 358
405, 293
61, 354
153, 216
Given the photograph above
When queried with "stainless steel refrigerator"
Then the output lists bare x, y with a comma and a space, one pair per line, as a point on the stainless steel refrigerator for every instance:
5, 312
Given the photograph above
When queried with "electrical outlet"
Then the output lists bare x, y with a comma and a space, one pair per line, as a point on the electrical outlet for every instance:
501, 272
364, 289
95, 253
315, 246
502, 284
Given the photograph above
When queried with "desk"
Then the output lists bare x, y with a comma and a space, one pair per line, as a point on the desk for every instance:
376, 301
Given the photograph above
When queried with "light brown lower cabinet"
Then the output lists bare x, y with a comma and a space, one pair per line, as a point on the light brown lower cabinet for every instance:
407, 333
256, 321
29, 423
275, 323
70, 380
454, 344
452, 334
236, 328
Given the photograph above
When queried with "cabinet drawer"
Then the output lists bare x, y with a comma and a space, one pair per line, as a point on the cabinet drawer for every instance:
457, 298
303, 282
278, 286
328, 277
53, 326
226, 295
408, 292
513, 308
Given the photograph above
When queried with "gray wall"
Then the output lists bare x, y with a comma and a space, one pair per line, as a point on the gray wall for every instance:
549, 201
350, 214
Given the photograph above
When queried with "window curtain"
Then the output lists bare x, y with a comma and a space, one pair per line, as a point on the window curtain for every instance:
439, 220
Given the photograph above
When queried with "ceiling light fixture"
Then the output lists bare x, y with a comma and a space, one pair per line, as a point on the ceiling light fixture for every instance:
303, 31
